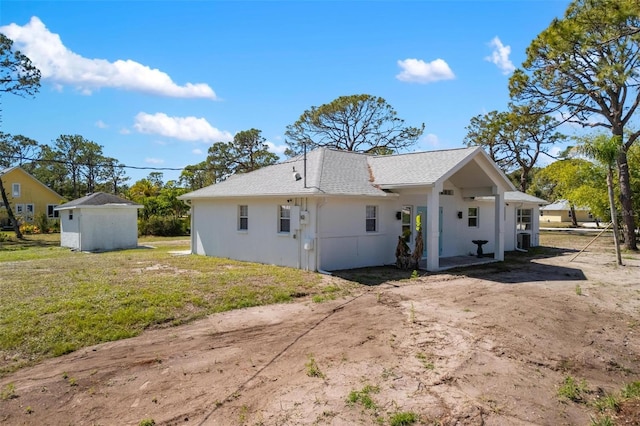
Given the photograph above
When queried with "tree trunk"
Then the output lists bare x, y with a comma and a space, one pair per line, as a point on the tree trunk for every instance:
12, 218
628, 219
574, 219
614, 214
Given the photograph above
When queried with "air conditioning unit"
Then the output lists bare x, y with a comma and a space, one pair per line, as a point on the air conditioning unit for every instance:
524, 241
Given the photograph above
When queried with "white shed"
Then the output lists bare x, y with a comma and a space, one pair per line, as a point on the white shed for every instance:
99, 222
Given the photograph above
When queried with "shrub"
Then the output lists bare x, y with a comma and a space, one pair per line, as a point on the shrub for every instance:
163, 226
28, 228
43, 222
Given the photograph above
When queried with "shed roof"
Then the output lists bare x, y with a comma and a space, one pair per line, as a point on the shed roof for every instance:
98, 199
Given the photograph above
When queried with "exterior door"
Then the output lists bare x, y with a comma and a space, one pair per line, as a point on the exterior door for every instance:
421, 218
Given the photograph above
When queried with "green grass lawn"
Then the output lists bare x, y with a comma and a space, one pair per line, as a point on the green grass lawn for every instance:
54, 301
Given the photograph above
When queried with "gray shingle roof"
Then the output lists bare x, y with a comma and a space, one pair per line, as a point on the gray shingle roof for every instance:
335, 172
420, 168
97, 199
562, 205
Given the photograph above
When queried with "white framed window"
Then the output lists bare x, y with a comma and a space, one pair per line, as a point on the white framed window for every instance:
473, 217
70, 214
29, 210
284, 219
524, 219
406, 223
19, 209
372, 218
52, 212
15, 190
243, 218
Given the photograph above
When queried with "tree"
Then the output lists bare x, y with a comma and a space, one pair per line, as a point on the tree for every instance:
19, 77
17, 74
197, 176
585, 66
247, 152
514, 139
114, 175
362, 123
605, 150
573, 179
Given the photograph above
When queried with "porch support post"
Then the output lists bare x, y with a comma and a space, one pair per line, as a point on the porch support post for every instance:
433, 231
499, 226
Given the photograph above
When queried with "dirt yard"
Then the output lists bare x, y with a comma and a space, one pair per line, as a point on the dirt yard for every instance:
485, 346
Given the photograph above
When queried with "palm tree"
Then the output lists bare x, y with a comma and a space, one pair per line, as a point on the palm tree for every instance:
605, 150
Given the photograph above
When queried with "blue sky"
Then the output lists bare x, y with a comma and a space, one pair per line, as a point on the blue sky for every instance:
156, 83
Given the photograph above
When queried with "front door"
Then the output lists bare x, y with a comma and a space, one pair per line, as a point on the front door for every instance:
421, 218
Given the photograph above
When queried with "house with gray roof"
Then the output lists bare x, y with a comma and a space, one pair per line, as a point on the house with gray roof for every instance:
330, 210
99, 222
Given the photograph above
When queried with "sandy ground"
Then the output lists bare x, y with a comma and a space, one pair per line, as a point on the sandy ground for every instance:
486, 346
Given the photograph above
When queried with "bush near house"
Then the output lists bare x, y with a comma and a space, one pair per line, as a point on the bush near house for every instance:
163, 226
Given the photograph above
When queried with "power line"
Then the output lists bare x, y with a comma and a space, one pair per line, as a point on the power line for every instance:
123, 166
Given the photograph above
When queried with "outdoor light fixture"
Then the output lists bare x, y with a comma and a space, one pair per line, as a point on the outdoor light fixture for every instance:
459, 215
398, 215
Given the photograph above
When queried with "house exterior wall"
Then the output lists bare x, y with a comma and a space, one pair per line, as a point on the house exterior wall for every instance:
32, 192
99, 228
214, 225
333, 236
558, 216
343, 238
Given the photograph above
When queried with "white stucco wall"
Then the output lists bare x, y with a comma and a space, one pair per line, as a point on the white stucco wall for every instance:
344, 240
214, 225
69, 230
99, 228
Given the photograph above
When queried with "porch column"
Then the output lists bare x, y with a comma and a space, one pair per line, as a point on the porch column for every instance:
433, 230
499, 226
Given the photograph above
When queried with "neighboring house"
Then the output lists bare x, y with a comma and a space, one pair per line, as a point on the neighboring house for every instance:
560, 211
99, 222
332, 210
27, 196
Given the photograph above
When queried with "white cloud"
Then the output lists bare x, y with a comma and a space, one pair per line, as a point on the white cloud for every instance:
197, 151
500, 56
153, 160
276, 149
125, 131
431, 139
184, 128
101, 124
418, 71
62, 67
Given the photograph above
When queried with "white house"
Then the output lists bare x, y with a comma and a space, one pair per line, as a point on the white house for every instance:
99, 222
332, 210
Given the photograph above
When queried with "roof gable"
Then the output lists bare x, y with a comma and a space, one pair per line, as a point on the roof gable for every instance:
20, 170
98, 199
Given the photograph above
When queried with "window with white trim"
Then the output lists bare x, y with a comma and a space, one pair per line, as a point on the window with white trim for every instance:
284, 219
243, 218
30, 210
523, 217
406, 223
15, 190
372, 219
473, 217
19, 209
52, 212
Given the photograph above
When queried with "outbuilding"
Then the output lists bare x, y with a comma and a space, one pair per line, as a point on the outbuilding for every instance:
99, 222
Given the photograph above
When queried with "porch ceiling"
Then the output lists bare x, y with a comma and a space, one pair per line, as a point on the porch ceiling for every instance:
472, 175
